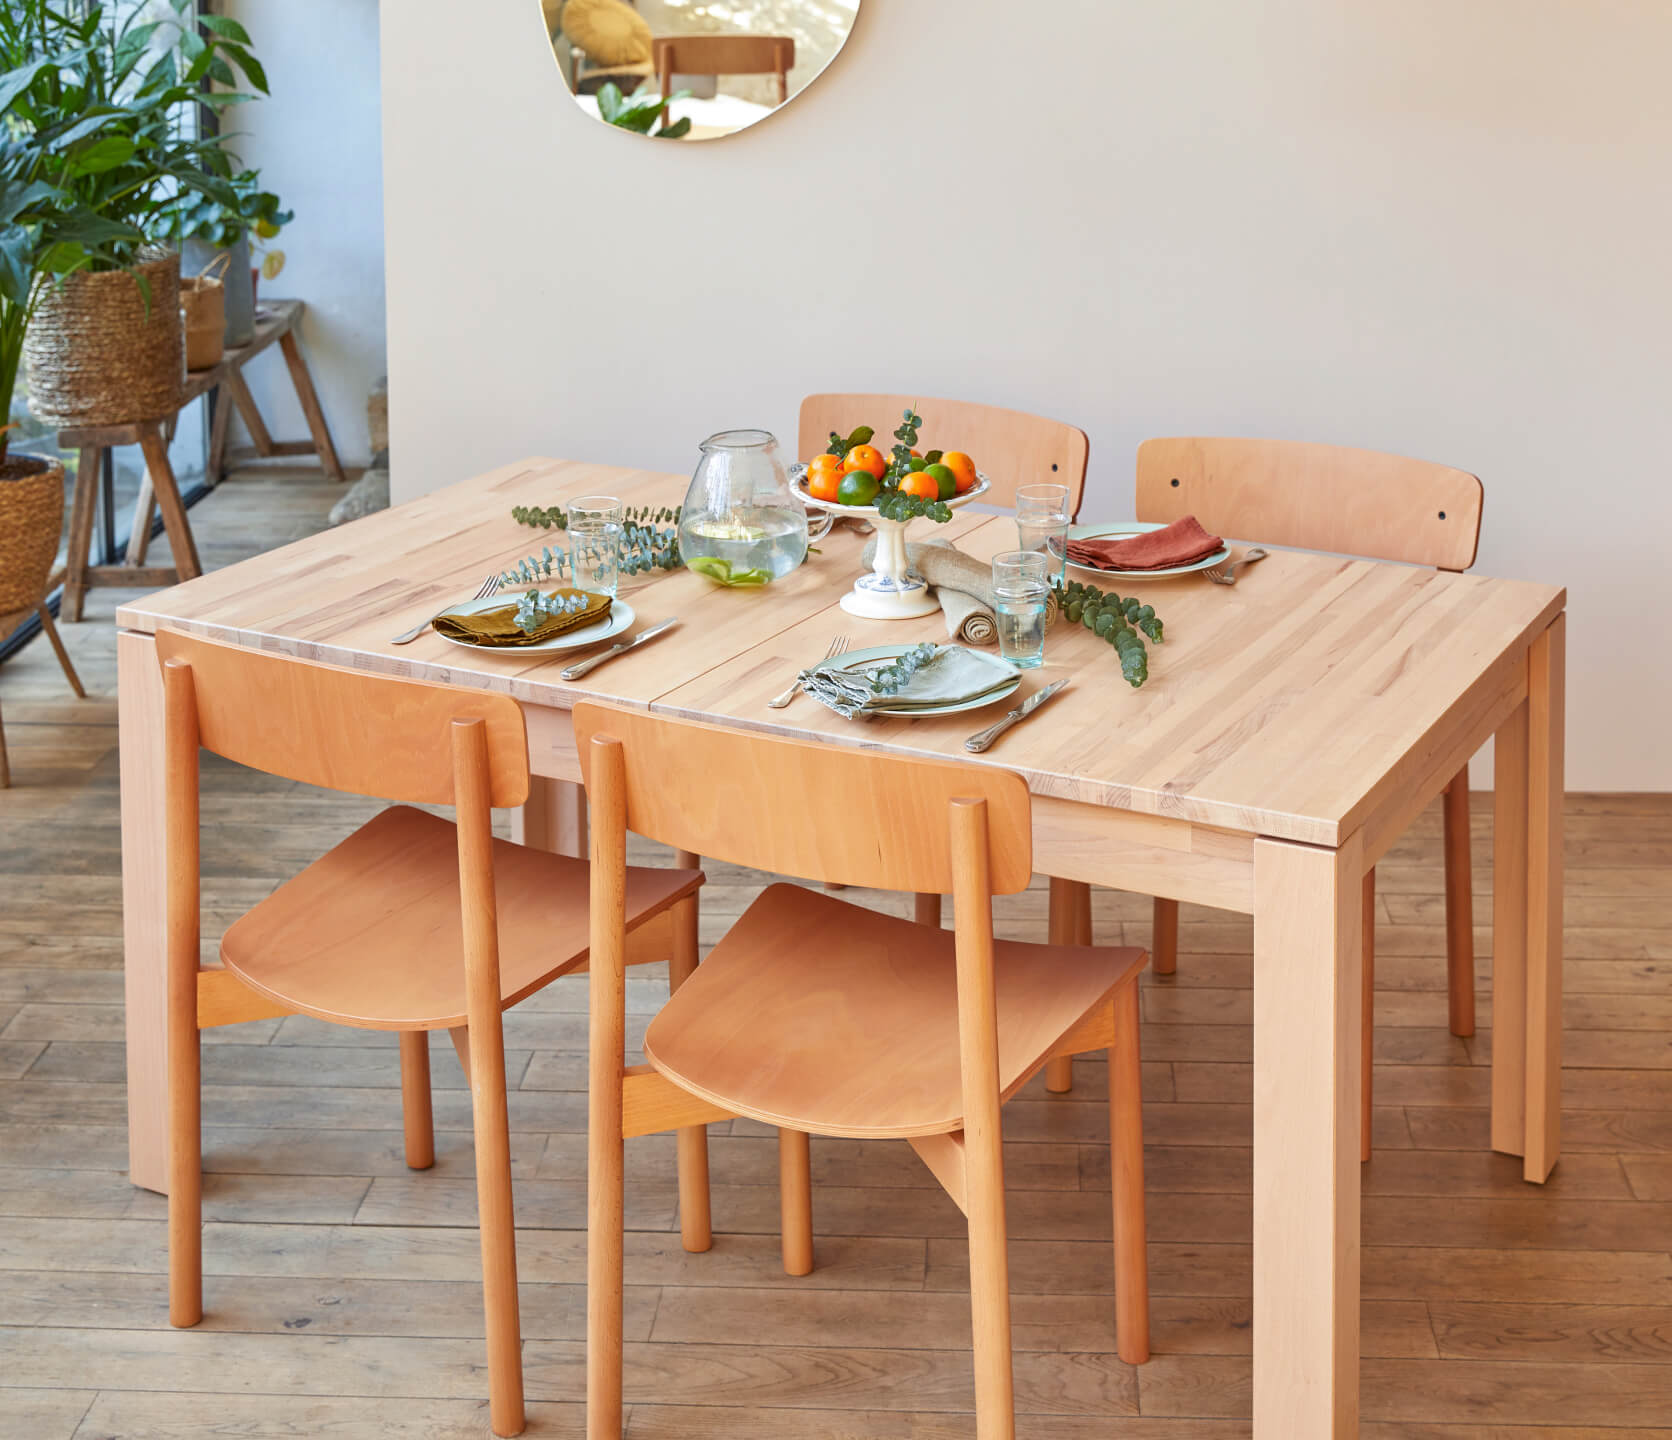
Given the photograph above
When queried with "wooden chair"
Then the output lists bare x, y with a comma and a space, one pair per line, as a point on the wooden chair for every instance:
821, 1017
1010, 447
723, 55
411, 924
1319, 497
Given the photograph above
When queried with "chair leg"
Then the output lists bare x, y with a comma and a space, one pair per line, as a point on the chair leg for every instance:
926, 910
185, 1151
1460, 907
490, 1121
795, 1200
59, 650
1367, 1013
1069, 924
1126, 1167
696, 1228
1164, 937
415, 1099
995, 1397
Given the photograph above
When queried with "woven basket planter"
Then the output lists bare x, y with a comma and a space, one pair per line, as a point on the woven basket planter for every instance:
99, 355
31, 519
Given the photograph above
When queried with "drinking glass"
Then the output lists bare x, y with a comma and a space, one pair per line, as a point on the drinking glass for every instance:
1042, 519
1021, 586
595, 535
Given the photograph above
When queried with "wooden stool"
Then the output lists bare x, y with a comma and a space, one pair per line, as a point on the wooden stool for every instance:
275, 322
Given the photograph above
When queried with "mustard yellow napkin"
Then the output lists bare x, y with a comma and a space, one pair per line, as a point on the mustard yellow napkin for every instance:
498, 628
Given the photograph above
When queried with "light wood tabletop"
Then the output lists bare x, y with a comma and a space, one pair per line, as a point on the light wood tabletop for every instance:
1290, 729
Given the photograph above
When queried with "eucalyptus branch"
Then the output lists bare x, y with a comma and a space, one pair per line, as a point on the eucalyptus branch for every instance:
649, 537
1116, 620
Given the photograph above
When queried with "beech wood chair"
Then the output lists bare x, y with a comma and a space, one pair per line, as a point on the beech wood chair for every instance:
723, 55
1318, 497
411, 924
822, 1017
1010, 447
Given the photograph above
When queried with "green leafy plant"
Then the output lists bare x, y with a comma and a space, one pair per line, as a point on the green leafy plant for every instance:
892, 678
255, 212
96, 154
649, 540
641, 110
1116, 620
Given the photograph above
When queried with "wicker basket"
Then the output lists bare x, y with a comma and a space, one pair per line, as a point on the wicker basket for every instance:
31, 518
99, 355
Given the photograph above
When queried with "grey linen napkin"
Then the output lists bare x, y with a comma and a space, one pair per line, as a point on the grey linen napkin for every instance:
954, 675
963, 585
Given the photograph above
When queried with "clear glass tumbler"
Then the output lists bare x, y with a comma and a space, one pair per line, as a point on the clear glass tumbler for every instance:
1042, 520
1021, 588
595, 553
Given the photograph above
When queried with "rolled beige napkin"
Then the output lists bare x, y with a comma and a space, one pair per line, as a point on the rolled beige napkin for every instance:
963, 585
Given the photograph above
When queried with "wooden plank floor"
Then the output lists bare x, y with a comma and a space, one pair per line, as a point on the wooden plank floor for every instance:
342, 1291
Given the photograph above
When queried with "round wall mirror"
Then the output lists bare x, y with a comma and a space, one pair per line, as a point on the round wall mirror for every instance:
692, 69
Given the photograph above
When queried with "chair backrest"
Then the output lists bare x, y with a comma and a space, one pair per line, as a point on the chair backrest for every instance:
1010, 447
344, 730
723, 55
1315, 497
818, 812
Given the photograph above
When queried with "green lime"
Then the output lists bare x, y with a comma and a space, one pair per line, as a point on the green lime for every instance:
943, 477
858, 487
918, 463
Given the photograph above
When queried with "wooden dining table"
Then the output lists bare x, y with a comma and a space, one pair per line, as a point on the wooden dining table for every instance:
1291, 728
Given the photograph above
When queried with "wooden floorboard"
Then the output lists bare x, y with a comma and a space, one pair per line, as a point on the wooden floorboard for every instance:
343, 1292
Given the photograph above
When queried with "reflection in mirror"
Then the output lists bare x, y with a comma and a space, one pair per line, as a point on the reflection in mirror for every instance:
692, 69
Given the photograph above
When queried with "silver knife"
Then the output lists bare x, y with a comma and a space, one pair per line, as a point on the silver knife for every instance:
979, 742
574, 672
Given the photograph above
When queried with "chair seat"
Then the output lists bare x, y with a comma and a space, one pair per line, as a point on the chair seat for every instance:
815, 1014
370, 934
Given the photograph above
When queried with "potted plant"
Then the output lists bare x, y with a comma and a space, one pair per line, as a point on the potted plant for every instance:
209, 227
103, 104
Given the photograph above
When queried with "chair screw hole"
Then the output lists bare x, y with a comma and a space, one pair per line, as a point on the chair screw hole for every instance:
1442, 514
1175, 484
1053, 469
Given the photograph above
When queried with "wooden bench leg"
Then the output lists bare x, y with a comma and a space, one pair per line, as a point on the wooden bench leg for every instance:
139, 535
317, 427
81, 531
63, 654
175, 523
219, 428
245, 402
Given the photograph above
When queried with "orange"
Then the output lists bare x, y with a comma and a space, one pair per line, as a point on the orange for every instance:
823, 480
921, 484
962, 468
867, 458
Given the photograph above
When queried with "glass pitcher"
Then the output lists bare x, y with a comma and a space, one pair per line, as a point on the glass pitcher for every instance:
742, 524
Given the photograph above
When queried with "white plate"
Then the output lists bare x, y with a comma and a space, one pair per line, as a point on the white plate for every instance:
1137, 527
619, 618
858, 659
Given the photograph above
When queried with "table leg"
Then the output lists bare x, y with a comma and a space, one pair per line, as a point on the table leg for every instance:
145, 980
317, 427
1509, 935
554, 818
1307, 1058
1546, 737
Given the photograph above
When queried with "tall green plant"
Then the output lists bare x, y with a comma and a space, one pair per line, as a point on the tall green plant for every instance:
96, 142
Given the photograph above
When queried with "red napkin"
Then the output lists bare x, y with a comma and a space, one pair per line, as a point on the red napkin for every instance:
1182, 543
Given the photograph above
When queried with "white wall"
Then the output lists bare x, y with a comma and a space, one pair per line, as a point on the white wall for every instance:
1438, 228
316, 142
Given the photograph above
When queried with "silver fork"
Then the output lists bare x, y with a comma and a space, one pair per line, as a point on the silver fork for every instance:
1228, 576
837, 646
486, 588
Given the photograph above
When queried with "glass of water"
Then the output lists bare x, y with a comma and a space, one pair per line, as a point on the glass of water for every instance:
1042, 519
595, 536
1021, 587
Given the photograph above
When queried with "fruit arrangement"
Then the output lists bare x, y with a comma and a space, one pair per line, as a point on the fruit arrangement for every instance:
901, 485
